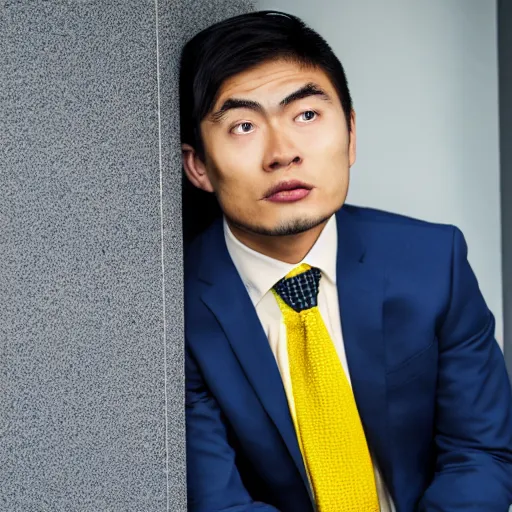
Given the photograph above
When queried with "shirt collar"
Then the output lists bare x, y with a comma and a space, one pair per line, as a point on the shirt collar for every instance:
260, 273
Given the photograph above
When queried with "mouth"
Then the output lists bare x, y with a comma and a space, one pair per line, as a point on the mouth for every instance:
288, 191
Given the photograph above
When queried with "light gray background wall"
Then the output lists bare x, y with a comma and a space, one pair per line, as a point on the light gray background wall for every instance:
505, 60
424, 81
91, 323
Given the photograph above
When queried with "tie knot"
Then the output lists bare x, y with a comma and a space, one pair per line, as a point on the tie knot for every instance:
299, 289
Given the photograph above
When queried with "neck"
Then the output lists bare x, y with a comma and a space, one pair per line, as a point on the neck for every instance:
289, 248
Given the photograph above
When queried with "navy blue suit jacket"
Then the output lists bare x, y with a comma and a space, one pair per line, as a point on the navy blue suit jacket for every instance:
428, 376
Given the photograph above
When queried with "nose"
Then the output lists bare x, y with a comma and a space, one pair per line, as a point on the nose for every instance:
281, 152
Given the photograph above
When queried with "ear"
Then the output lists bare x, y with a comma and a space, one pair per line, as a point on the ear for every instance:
195, 169
353, 139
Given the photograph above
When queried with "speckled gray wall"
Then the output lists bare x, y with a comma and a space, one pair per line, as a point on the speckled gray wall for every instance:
91, 323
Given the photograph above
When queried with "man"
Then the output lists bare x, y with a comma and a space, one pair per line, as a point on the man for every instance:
337, 358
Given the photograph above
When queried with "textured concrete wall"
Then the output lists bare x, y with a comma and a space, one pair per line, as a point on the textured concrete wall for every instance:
505, 66
91, 323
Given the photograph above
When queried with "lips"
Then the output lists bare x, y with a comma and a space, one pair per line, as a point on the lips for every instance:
288, 191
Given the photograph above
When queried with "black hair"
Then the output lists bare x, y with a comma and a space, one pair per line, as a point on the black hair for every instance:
238, 44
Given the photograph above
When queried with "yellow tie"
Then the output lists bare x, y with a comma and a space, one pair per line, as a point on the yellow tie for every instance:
325, 415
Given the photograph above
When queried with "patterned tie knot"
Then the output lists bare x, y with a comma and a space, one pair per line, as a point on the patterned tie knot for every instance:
299, 289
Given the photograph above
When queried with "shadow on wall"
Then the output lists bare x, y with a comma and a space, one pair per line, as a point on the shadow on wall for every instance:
200, 209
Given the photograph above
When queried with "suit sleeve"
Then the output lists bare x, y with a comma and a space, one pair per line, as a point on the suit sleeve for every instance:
214, 484
473, 434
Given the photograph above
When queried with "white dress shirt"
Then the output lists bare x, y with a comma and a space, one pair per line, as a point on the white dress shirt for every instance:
260, 273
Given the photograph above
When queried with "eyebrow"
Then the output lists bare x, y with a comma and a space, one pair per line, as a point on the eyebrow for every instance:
306, 91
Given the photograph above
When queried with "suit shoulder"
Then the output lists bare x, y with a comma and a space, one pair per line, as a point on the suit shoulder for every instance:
376, 216
193, 256
194, 250
381, 224
399, 237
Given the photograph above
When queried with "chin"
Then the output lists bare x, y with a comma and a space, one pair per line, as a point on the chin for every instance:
302, 224
289, 227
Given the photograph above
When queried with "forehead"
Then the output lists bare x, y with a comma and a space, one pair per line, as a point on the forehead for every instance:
271, 81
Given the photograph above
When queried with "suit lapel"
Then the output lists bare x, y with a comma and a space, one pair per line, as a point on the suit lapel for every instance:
227, 298
361, 287
361, 295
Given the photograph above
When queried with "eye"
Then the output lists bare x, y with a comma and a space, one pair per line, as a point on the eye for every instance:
307, 116
242, 128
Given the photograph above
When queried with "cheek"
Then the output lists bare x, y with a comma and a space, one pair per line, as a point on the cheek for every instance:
235, 173
329, 140
328, 151
236, 159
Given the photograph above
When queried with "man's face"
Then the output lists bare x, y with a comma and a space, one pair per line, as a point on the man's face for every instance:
279, 126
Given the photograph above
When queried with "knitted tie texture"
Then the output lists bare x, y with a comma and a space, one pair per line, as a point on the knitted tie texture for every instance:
327, 422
